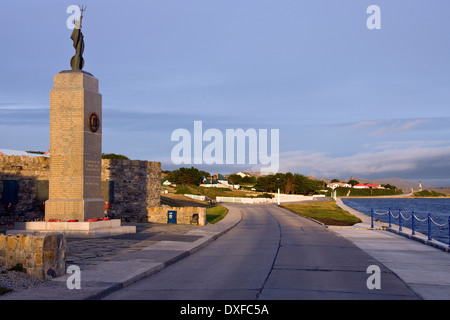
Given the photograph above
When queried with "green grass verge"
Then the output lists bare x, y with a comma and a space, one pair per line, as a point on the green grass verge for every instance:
326, 212
427, 193
342, 192
216, 213
213, 192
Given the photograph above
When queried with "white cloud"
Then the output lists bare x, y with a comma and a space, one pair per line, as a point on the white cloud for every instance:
419, 158
388, 126
22, 106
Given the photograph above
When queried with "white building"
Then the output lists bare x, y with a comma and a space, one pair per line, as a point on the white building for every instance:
335, 185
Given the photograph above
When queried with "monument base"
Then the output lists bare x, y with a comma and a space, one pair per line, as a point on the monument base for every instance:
74, 209
86, 229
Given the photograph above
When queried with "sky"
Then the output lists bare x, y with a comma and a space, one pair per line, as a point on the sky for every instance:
346, 100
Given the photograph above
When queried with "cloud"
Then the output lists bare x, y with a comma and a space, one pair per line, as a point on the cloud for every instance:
388, 126
22, 106
30, 117
419, 159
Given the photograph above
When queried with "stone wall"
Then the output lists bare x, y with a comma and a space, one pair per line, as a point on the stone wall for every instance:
30, 173
129, 185
136, 186
184, 214
43, 257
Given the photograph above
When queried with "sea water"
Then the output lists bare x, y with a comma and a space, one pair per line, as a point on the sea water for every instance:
439, 208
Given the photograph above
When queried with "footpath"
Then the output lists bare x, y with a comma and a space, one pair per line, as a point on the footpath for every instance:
423, 265
108, 264
112, 263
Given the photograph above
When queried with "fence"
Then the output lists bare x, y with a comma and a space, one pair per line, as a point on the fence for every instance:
196, 197
401, 219
283, 198
245, 200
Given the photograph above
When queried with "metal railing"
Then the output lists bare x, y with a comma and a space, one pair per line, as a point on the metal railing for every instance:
401, 218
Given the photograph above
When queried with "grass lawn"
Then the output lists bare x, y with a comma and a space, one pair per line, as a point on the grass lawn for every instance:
427, 193
216, 213
326, 212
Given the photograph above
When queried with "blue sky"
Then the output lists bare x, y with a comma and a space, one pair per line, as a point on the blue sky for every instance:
348, 101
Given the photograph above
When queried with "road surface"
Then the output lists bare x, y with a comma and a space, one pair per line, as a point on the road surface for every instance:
272, 254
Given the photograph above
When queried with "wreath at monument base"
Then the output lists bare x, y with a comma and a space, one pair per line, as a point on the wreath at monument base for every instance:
10, 208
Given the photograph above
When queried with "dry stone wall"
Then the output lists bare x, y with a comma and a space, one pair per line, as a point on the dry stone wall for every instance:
41, 256
136, 186
184, 215
130, 186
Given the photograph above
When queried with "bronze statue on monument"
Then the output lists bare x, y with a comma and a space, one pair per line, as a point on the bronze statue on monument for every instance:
77, 61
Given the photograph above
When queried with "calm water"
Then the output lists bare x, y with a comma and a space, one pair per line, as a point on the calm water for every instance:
439, 209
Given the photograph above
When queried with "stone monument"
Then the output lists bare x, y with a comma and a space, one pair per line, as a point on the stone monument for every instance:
75, 141
75, 202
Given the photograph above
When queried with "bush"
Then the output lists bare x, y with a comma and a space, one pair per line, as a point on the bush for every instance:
427, 193
183, 190
265, 195
114, 156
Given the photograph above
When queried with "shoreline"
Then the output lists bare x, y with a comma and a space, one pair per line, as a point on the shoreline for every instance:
406, 232
391, 197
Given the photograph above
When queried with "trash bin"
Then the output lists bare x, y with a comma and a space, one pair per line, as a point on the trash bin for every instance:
172, 216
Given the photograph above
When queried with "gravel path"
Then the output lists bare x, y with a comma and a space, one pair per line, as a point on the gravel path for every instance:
88, 252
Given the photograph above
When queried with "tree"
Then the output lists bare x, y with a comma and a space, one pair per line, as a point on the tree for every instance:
288, 183
305, 185
114, 156
353, 182
235, 179
249, 179
335, 180
187, 176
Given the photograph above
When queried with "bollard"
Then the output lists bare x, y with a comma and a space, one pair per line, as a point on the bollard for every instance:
449, 231
400, 220
429, 226
413, 223
371, 218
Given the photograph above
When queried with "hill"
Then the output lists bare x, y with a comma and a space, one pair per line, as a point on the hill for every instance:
445, 190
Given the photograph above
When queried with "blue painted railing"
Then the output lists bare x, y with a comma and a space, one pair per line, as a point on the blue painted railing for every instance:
401, 217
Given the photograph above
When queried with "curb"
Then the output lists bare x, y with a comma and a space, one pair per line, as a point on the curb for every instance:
126, 282
433, 243
99, 281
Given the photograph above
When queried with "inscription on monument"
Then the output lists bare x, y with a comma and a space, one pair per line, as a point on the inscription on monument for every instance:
92, 165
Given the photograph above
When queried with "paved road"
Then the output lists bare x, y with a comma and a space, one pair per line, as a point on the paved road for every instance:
271, 254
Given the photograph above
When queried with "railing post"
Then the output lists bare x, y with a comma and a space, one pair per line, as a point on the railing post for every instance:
413, 222
371, 218
429, 226
400, 220
449, 231
390, 224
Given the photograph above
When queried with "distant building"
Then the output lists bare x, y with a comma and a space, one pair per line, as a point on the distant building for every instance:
8, 152
335, 185
367, 186
243, 174
217, 181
